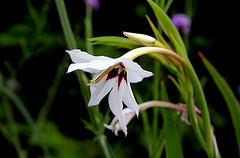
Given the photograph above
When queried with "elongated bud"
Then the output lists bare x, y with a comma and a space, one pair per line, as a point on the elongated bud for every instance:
142, 39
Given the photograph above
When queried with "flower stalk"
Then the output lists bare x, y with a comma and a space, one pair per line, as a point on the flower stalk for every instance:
129, 114
147, 50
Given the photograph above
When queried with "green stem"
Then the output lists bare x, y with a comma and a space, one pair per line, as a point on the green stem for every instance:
89, 28
161, 143
14, 138
68, 34
202, 102
173, 145
194, 120
156, 95
146, 127
21, 107
103, 143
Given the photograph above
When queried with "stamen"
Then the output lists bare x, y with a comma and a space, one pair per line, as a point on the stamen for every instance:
92, 82
102, 74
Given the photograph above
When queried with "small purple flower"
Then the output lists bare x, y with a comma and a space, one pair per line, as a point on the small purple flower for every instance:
94, 3
182, 23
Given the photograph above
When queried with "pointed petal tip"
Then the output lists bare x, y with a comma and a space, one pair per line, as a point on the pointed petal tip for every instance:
137, 114
126, 135
89, 105
68, 71
107, 126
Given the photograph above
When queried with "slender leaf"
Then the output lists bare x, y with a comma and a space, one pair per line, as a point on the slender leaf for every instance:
227, 94
115, 41
158, 34
167, 25
68, 34
173, 144
146, 126
27, 116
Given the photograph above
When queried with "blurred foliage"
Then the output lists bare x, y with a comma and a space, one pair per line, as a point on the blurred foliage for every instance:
33, 66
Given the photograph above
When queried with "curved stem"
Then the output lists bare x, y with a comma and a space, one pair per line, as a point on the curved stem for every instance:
146, 50
162, 104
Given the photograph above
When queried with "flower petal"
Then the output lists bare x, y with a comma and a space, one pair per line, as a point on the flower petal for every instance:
134, 71
94, 66
129, 99
116, 106
115, 126
79, 56
82, 66
100, 89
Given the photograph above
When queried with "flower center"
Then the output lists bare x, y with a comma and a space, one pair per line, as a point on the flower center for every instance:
117, 70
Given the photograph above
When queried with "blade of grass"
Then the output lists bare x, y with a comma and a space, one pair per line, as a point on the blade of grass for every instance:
146, 126
21, 107
115, 41
228, 95
13, 130
156, 95
173, 144
158, 34
167, 25
68, 34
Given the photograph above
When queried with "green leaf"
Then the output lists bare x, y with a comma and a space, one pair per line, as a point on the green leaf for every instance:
158, 34
7, 40
67, 30
173, 144
115, 41
228, 96
178, 48
167, 25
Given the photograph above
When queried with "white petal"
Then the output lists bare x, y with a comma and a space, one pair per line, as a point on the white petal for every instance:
100, 89
134, 71
128, 114
128, 97
82, 66
79, 56
116, 106
94, 66
115, 126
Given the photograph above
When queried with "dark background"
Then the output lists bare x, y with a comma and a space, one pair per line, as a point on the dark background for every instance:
214, 32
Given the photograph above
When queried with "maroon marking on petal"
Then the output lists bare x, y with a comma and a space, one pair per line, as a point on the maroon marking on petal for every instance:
122, 75
125, 76
112, 74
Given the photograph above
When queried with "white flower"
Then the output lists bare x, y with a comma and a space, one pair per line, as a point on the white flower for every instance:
113, 75
115, 126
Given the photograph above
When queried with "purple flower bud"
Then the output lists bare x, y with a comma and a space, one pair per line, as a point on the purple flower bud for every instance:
94, 3
182, 23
